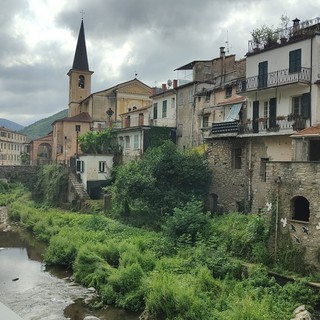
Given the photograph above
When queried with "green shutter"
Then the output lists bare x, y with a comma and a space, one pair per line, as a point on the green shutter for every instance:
255, 116
305, 105
273, 112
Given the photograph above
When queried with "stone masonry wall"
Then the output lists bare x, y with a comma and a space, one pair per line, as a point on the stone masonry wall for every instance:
228, 184
24, 174
296, 179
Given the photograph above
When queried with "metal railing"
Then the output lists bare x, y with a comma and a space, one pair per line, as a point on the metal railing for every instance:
261, 125
274, 79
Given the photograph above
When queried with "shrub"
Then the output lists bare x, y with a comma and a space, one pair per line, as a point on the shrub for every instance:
187, 222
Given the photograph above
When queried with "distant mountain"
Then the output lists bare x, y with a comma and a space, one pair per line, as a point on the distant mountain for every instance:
42, 127
10, 125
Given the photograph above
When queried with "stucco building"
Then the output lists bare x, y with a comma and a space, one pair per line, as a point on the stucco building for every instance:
11, 146
94, 111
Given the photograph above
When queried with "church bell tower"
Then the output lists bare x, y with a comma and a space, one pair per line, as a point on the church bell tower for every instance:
79, 76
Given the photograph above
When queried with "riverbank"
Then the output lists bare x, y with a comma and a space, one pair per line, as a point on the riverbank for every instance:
44, 298
4, 220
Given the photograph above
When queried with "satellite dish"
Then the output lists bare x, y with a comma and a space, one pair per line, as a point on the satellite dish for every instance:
169, 83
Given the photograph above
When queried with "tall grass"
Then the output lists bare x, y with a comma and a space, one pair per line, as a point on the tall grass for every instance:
172, 278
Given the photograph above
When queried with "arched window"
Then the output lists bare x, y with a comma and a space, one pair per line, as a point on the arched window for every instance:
300, 208
81, 81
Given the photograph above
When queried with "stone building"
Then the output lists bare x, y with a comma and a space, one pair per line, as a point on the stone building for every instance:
268, 159
211, 82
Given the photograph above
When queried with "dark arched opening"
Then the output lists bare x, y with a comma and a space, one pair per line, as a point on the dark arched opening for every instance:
81, 81
301, 209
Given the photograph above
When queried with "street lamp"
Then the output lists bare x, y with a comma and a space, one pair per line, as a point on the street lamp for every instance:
109, 114
77, 132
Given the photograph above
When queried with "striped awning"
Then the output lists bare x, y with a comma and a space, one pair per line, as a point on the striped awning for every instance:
234, 112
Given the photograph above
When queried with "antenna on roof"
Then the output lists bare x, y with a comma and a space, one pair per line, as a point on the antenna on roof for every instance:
227, 43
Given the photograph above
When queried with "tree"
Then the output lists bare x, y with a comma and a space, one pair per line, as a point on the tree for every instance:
98, 142
147, 189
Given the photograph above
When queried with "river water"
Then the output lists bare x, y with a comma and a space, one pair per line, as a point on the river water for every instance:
34, 292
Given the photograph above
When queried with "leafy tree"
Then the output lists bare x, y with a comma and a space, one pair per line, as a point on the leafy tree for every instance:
164, 179
98, 142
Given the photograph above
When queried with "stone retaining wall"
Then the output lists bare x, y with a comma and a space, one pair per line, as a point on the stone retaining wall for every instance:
24, 174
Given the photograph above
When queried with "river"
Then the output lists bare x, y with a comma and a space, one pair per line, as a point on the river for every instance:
37, 293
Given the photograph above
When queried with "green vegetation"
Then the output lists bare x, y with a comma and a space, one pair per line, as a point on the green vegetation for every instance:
51, 186
138, 269
98, 142
42, 127
181, 263
145, 191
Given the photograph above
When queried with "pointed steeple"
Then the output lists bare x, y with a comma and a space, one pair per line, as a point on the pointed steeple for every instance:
80, 61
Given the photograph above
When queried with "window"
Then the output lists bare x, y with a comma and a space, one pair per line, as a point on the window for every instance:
80, 166
155, 111
301, 105
295, 61
164, 109
136, 142
205, 121
208, 96
102, 166
228, 91
263, 74
121, 143
81, 81
300, 208
236, 158
180, 101
190, 95
127, 140
263, 167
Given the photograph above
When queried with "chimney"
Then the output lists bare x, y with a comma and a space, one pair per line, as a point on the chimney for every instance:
154, 91
175, 84
296, 25
164, 87
222, 52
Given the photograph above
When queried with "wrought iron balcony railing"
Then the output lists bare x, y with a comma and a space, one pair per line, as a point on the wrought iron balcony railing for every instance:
261, 125
274, 79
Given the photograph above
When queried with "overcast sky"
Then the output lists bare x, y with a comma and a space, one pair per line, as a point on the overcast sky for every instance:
124, 37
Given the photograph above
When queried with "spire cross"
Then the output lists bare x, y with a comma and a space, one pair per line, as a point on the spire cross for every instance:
82, 13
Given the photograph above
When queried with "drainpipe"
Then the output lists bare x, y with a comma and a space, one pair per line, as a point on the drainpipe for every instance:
250, 174
277, 181
311, 48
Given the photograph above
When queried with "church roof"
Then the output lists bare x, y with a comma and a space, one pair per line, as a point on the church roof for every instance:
80, 61
81, 117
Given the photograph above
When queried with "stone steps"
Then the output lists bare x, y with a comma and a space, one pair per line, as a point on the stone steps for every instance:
78, 187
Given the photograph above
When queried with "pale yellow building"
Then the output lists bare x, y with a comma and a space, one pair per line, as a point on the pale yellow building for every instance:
93, 111
11, 147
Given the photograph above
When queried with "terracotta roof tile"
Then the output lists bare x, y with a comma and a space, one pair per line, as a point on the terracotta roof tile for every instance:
311, 131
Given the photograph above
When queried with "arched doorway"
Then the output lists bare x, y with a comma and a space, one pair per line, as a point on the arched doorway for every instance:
300, 208
44, 153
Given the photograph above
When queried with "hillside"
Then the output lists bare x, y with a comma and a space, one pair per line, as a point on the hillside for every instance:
10, 125
43, 126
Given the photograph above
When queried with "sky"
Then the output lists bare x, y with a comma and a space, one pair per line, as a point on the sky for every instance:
124, 37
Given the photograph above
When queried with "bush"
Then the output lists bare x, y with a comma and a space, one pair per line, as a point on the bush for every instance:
188, 222
175, 297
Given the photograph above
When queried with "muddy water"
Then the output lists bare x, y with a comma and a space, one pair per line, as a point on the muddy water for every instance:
34, 292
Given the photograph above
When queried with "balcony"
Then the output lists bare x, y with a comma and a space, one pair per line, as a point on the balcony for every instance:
280, 124
274, 79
